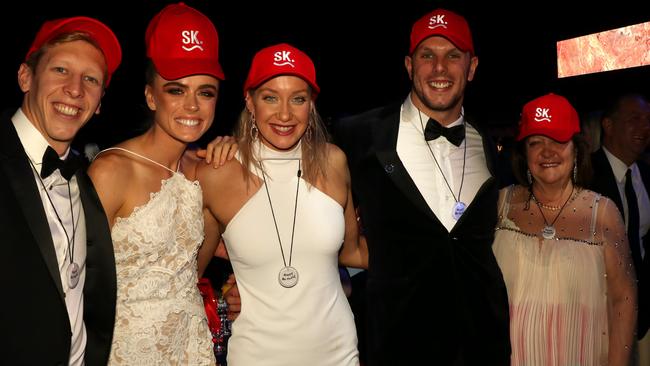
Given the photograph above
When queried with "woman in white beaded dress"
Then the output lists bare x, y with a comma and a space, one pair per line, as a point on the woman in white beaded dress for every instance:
154, 211
284, 208
562, 249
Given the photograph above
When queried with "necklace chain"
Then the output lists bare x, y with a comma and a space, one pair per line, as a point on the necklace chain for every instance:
462, 177
56, 212
295, 209
540, 205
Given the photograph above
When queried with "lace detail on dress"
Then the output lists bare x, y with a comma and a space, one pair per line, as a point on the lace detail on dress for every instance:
160, 318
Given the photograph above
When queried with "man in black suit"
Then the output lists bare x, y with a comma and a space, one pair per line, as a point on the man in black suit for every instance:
57, 269
625, 135
428, 207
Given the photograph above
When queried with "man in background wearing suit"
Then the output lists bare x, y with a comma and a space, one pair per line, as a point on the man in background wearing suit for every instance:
425, 181
621, 176
57, 269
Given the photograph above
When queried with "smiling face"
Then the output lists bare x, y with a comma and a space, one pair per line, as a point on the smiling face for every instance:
440, 72
281, 109
550, 162
184, 108
63, 91
627, 132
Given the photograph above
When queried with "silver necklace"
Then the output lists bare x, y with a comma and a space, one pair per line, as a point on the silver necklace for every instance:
288, 275
548, 232
460, 206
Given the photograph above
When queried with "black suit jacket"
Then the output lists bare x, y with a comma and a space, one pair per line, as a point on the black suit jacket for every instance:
604, 182
35, 329
434, 297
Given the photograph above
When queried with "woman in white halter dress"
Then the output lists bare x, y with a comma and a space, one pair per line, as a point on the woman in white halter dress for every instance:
285, 210
154, 211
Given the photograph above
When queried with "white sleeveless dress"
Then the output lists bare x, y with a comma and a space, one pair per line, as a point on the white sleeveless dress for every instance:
310, 324
159, 318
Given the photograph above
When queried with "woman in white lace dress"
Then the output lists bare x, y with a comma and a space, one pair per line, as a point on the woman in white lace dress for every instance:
285, 210
155, 212
562, 250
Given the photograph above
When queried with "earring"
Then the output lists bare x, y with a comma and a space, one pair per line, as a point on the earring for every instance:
529, 177
254, 131
575, 169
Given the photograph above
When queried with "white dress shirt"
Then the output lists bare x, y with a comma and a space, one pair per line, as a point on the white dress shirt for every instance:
57, 201
620, 168
434, 181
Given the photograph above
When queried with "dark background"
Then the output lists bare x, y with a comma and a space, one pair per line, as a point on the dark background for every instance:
358, 49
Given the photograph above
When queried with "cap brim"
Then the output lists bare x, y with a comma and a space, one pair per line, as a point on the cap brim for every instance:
559, 136
173, 69
254, 84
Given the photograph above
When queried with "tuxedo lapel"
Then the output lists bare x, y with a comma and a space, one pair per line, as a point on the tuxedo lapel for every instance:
15, 164
385, 142
604, 181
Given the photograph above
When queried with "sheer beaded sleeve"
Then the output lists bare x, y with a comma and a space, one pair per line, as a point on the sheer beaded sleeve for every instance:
621, 282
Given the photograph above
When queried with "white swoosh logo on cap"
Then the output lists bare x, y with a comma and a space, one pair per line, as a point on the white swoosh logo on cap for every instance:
437, 25
193, 48
284, 64
542, 119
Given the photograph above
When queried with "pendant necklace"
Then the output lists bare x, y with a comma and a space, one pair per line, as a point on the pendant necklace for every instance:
548, 232
288, 276
73, 271
460, 206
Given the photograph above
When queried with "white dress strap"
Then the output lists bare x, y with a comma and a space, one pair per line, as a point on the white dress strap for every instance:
136, 154
594, 212
504, 205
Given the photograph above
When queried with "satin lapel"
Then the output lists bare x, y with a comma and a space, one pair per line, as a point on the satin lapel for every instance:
385, 142
99, 247
19, 173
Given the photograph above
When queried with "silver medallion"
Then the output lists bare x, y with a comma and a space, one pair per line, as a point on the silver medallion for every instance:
548, 232
459, 209
73, 275
288, 277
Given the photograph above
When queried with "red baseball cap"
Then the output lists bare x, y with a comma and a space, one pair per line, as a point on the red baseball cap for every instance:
181, 42
96, 30
281, 59
443, 23
550, 115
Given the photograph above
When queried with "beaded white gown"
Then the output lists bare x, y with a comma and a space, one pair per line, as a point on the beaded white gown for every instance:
160, 318
310, 324
557, 288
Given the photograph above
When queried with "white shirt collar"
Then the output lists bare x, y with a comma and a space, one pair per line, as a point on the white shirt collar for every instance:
32, 140
618, 166
410, 114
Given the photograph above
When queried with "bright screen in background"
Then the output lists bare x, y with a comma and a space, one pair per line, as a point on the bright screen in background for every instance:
605, 51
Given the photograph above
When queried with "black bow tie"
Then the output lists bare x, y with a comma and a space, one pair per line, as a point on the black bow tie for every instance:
51, 162
455, 134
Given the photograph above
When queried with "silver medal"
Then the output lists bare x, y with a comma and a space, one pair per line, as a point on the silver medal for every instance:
73, 275
548, 232
288, 277
459, 209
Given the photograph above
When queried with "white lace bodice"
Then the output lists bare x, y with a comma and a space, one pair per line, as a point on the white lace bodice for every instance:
160, 319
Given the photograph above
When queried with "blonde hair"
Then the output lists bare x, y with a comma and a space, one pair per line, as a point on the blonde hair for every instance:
313, 144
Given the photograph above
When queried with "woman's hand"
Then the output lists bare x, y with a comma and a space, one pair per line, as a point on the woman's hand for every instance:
219, 150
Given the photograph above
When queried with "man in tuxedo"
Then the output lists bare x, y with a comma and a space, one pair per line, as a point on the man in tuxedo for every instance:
625, 136
424, 179
57, 269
